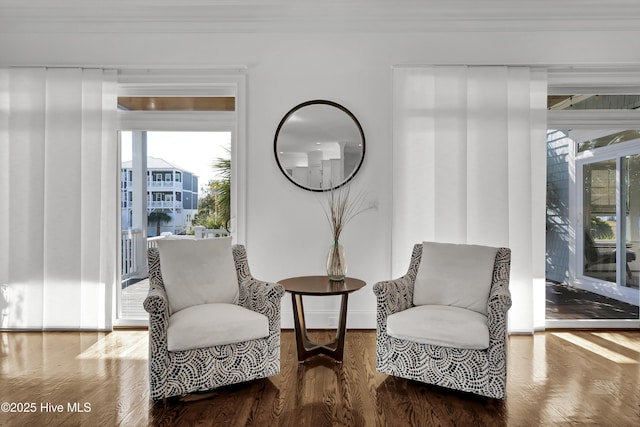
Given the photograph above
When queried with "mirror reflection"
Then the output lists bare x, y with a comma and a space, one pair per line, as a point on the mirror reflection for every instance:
319, 145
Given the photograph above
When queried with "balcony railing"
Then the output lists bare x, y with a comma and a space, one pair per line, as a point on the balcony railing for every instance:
204, 233
164, 184
126, 183
130, 242
168, 204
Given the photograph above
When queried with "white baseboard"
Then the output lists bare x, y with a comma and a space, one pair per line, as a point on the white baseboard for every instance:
520, 332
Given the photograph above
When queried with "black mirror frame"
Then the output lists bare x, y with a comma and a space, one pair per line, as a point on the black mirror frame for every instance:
321, 102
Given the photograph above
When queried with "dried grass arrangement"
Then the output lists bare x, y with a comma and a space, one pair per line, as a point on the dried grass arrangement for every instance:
340, 209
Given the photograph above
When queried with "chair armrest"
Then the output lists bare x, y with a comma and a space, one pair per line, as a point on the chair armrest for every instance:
264, 298
499, 304
257, 295
157, 305
393, 295
156, 302
397, 295
499, 298
499, 295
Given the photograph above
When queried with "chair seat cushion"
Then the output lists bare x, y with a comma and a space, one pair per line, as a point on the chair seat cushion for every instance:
198, 271
441, 325
208, 325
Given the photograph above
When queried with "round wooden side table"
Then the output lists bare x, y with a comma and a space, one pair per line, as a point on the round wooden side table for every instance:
319, 286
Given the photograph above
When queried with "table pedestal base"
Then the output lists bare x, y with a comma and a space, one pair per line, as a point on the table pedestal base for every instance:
307, 348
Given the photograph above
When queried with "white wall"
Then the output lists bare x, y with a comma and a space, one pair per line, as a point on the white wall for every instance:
287, 233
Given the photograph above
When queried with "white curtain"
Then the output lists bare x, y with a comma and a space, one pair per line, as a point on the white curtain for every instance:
58, 186
469, 162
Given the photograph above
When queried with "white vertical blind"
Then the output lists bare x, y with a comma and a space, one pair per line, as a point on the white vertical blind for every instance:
59, 161
469, 167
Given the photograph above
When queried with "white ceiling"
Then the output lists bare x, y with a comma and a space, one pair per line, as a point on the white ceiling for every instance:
75, 16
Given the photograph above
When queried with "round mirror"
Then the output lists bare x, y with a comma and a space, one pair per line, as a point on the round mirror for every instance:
319, 145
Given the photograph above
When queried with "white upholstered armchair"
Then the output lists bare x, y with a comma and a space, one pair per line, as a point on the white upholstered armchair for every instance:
210, 322
445, 321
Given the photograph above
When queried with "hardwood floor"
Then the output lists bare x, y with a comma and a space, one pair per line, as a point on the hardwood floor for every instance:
555, 378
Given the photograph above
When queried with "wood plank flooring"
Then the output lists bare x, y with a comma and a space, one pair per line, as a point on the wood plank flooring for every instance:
556, 378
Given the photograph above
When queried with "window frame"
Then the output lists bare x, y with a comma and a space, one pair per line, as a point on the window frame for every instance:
197, 83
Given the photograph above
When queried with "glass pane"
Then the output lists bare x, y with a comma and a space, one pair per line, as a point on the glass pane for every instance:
632, 218
593, 102
600, 228
609, 139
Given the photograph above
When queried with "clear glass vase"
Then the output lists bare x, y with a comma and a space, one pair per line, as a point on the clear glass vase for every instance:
336, 262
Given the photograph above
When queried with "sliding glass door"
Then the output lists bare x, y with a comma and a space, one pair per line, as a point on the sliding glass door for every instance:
631, 243
608, 231
600, 220
593, 228
611, 215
